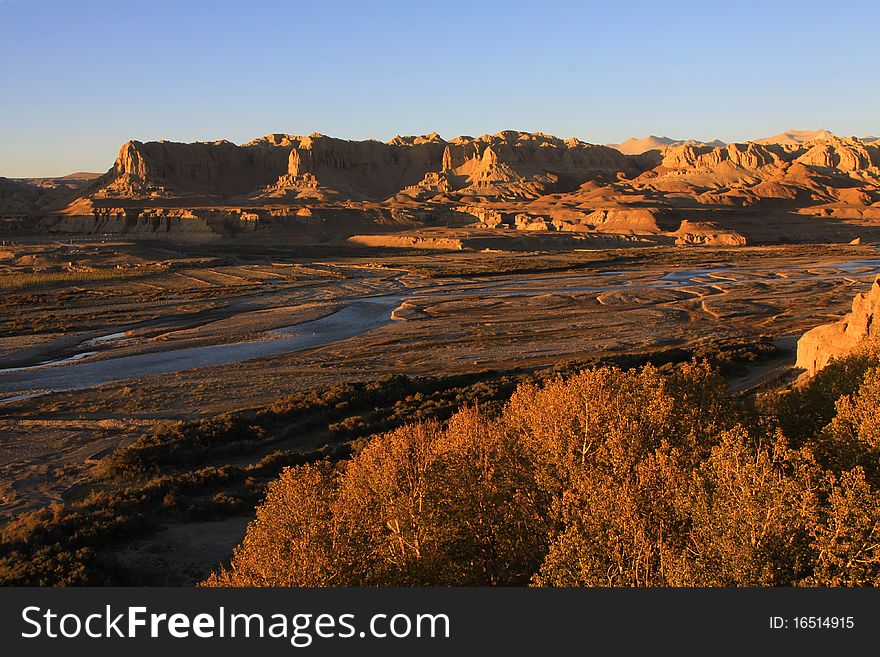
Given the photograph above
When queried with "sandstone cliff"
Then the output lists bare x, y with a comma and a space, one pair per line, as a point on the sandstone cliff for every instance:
279, 165
848, 155
506, 164
803, 186
818, 346
747, 156
168, 170
357, 169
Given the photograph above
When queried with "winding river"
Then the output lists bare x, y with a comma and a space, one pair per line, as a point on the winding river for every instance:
360, 316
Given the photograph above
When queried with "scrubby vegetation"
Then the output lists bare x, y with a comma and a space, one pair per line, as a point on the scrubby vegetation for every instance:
214, 468
605, 478
23, 280
474, 451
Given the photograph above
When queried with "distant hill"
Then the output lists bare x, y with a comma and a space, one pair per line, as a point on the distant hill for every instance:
633, 146
795, 137
24, 195
71, 180
81, 175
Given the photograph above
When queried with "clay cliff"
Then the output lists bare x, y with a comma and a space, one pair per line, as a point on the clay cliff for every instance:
800, 186
168, 170
281, 165
352, 169
819, 346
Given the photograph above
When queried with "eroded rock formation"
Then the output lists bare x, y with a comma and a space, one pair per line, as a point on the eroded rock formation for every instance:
819, 346
803, 186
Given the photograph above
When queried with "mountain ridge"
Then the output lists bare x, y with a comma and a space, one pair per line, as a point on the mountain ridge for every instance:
824, 188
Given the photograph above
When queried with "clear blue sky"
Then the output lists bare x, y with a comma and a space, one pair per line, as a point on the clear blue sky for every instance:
80, 77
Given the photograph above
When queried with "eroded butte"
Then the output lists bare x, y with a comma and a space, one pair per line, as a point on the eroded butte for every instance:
472, 192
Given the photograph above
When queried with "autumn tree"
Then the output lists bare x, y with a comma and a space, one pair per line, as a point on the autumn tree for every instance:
607, 478
752, 505
293, 539
847, 538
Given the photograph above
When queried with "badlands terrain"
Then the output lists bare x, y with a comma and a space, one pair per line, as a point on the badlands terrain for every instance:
800, 186
217, 283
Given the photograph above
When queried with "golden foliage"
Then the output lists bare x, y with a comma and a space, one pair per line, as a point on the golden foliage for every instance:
607, 478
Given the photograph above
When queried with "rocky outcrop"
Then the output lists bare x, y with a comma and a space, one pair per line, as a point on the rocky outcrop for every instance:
633, 220
509, 180
819, 346
506, 164
172, 170
707, 234
748, 156
849, 155
407, 242
530, 164
360, 169
281, 165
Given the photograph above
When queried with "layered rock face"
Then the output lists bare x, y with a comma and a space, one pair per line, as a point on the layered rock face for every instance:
530, 161
820, 345
168, 169
747, 156
507, 164
846, 155
801, 186
279, 165
849, 155
357, 169
707, 234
